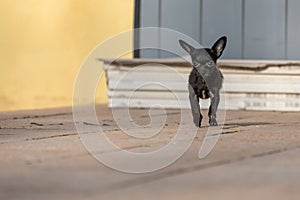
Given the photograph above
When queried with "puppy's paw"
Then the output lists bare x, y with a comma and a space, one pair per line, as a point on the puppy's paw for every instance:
213, 122
197, 124
198, 121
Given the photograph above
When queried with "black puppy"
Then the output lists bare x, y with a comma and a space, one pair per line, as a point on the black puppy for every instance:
205, 80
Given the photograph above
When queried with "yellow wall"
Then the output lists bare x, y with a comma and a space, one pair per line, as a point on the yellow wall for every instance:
43, 43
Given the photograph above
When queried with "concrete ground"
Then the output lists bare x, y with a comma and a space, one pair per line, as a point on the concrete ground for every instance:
256, 157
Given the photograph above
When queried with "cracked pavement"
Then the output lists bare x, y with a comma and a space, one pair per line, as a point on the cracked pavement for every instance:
256, 157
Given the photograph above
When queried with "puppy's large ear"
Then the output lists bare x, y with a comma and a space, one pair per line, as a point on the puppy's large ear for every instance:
188, 48
219, 46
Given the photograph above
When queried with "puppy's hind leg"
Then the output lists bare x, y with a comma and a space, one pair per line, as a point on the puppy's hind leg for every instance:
194, 101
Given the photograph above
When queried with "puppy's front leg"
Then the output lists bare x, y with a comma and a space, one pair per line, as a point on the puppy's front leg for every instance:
212, 114
194, 101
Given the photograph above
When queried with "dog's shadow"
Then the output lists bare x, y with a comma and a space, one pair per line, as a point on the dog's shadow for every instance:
245, 124
228, 128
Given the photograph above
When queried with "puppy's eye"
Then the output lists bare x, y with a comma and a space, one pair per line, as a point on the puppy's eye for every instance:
196, 64
210, 63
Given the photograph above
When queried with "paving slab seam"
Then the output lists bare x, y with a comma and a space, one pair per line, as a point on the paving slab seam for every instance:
36, 116
168, 174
